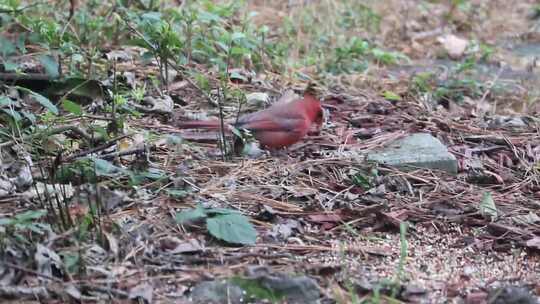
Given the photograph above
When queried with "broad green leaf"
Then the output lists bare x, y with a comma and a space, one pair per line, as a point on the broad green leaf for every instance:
105, 168
487, 206
152, 16
81, 170
10, 66
391, 96
6, 221
44, 101
14, 114
236, 132
71, 261
190, 215
362, 181
38, 228
208, 17
50, 65
238, 36
147, 56
6, 101
30, 215
232, 228
264, 29
239, 51
6, 47
72, 107
202, 81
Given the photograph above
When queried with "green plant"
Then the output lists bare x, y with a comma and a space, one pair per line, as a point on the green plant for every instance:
224, 224
365, 178
23, 225
159, 35
453, 88
403, 252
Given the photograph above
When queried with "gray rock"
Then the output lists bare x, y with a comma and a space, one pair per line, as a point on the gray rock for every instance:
216, 292
295, 289
512, 295
419, 150
508, 122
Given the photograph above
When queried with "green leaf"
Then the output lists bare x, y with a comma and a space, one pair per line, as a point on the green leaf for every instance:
6, 221
6, 101
238, 36
237, 132
10, 66
190, 215
50, 65
147, 56
14, 114
71, 261
208, 17
105, 168
72, 107
232, 228
152, 16
391, 96
38, 228
239, 51
30, 215
487, 206
264, 29
6, 47
44, 101
362, 181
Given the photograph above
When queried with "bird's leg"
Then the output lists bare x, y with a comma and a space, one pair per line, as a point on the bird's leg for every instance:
279, 153
238, 145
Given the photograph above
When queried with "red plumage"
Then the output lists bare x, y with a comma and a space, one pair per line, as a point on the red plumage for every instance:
278, 126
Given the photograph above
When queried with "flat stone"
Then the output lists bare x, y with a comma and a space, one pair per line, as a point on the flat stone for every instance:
418, 150
216, 292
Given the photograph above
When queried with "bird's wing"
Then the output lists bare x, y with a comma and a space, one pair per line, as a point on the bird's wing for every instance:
271, 122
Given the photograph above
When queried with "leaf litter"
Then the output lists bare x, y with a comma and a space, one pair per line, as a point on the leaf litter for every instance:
314, 215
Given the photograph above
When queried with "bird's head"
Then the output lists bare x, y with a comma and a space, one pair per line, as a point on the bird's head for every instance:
313, 104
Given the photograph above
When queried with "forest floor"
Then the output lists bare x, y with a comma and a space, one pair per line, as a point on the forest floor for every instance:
329, 225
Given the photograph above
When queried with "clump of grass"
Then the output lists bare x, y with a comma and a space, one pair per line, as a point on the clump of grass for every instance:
331, 36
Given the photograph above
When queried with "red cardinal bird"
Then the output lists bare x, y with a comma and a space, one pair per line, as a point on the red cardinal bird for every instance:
278, 126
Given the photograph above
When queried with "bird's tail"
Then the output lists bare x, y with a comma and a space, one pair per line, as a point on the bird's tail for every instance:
200, 124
